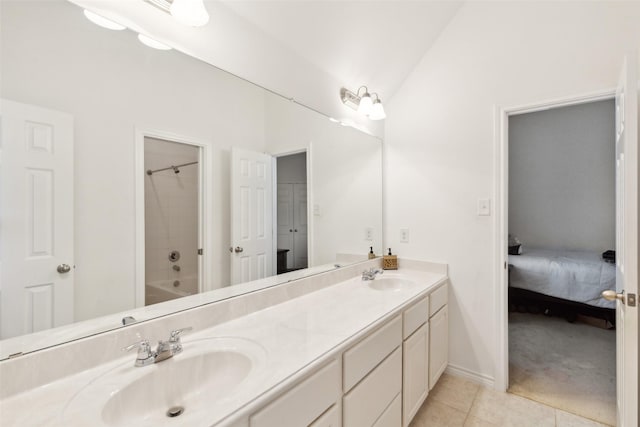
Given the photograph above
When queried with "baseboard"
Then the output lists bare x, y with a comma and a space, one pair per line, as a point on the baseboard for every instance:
475, 377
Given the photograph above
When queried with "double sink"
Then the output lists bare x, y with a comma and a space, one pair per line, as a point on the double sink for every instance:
209, 372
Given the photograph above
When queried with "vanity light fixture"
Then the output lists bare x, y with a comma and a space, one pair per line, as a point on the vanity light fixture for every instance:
102, 21
146, 40
377, 110
363, 103
188, 12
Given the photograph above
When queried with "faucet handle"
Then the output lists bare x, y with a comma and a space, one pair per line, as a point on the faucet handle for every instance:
145, 354
175, 335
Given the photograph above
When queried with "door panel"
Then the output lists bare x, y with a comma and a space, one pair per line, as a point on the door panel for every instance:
251, 236
627, 243
37, 219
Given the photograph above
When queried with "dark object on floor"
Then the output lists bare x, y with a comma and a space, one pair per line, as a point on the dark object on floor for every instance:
514, 250
609, 256
552, 306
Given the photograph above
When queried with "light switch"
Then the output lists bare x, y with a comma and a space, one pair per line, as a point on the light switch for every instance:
404, 235
484, 207
316, 210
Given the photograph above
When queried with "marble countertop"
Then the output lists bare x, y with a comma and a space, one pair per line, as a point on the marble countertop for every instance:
297, 336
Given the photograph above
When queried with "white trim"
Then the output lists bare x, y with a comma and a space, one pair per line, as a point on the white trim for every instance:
482, 379
501, 223
205, 206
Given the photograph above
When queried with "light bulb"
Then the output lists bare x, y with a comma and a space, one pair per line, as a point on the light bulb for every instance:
365, 105
190, 12
102, 21
148, 41
377, 111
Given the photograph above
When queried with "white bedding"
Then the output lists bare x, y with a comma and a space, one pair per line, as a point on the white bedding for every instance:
571, 275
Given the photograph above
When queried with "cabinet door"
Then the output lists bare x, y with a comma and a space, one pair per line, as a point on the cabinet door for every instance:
415, 373
438, 345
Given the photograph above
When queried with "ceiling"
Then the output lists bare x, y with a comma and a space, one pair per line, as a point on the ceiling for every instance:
376, 43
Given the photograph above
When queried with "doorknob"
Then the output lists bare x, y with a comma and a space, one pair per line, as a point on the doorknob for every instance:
238, 249
611, 295
63, 268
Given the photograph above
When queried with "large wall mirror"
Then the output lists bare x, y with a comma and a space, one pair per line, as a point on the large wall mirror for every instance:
136, 182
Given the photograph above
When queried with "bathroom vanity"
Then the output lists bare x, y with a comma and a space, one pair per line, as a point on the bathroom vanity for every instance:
329, 350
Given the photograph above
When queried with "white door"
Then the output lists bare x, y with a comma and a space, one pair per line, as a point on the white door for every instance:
36, 211
627, 244
251, 216
300, 226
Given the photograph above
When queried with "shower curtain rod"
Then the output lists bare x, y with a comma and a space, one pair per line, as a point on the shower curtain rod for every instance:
175, 168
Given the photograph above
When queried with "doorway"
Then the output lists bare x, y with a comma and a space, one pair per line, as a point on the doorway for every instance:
173, 216
559, 221
291, 212
172, 219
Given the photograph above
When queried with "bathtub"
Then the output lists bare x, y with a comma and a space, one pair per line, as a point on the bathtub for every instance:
163, 290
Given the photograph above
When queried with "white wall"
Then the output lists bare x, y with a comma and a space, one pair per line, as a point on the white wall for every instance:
439, 138
233, 44
111, 84
562, 177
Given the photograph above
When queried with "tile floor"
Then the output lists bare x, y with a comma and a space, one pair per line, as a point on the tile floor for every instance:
456, 402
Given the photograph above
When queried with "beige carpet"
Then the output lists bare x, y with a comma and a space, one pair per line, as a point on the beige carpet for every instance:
570, 366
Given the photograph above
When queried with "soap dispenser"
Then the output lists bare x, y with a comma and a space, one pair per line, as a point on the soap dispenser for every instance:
371, 254
389, 261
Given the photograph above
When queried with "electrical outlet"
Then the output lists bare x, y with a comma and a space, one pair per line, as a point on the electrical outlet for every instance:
404, 235
368, 233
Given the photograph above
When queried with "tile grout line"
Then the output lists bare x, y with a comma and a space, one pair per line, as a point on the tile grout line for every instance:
475, 396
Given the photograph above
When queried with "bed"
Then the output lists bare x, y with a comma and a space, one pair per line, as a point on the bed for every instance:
565, 282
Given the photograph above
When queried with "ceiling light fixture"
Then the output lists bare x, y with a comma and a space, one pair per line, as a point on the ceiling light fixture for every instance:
102, 21
148, 41
364, 103
188, 12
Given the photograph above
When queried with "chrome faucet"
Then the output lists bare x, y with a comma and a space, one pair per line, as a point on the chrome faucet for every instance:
371, 273
164, 350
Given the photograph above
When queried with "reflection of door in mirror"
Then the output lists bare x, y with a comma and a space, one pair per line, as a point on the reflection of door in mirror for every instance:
37, 241
291, 178
171, 218
251, 216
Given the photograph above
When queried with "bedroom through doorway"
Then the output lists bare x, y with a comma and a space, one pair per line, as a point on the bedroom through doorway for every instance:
561, 225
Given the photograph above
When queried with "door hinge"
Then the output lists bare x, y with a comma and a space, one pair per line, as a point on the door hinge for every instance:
505, 265
631, 300
200, 251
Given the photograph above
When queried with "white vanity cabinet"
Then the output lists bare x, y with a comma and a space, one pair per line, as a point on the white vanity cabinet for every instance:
380, 381
438, 334
415, 366
305, 404
372, 378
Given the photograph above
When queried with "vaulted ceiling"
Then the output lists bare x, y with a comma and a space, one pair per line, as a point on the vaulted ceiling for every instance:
376, 43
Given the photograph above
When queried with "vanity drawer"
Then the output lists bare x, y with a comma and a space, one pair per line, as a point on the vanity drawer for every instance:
415, 316
391, 416
364, 356
438, 299
301, 405
363, 405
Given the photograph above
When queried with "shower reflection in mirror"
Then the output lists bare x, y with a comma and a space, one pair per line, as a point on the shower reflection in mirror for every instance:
171, 206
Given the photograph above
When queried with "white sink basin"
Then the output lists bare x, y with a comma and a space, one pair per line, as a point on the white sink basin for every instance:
391, 283
191, 383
